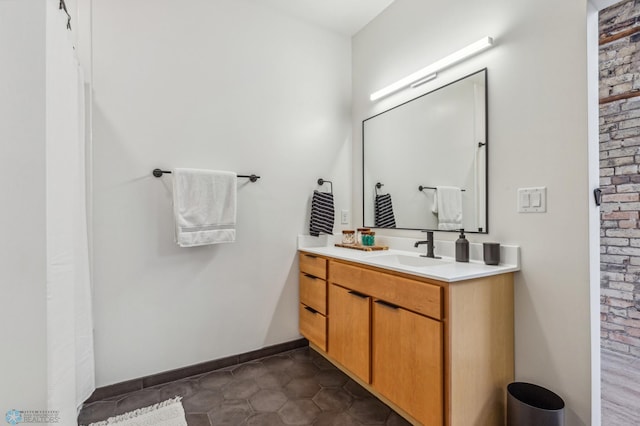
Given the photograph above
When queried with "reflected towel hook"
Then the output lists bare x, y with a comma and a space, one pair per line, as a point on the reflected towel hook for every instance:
322, 182
378, 186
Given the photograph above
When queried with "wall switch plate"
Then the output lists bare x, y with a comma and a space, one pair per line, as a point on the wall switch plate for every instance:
344, 217
532, 200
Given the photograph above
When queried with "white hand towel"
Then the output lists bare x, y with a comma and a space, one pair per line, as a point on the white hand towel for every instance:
449, 207
434, 206
204, 206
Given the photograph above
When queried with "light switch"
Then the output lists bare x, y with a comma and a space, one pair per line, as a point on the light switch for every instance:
532, 200
344, 217
524, 198
535, 199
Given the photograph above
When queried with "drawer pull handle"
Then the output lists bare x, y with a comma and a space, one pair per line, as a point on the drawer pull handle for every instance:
311, 256
313, 311
360, 295
310, 276
387, 304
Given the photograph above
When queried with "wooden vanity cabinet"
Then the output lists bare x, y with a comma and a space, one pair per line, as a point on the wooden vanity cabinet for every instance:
313, 299
405, 351
439, 353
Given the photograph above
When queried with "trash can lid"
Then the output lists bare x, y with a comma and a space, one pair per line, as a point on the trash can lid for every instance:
535, 395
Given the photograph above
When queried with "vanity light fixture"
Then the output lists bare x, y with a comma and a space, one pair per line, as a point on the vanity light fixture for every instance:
429, 72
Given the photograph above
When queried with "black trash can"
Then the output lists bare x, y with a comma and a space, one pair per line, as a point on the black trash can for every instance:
533, 405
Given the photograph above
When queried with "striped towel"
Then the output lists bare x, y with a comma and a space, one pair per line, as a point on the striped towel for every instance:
322, 213
384, 212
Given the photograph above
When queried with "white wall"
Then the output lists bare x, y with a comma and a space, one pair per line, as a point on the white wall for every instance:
225, 84
23, 359
537, 137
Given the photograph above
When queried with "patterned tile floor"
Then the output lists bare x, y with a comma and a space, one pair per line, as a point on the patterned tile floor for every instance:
298, 387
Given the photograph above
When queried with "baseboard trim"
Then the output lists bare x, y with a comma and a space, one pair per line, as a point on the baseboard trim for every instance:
133, 385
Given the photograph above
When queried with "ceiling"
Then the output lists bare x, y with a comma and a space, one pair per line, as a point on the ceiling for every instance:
346, 17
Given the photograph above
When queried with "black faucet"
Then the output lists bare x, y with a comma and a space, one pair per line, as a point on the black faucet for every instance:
430, 245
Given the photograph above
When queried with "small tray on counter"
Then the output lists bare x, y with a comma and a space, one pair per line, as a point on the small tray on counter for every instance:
361, 247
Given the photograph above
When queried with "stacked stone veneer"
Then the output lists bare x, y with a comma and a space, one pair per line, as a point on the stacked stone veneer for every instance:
620, 178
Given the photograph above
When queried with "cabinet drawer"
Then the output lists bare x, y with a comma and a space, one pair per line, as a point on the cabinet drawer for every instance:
313, 292
413, 295
313, 265
313, 326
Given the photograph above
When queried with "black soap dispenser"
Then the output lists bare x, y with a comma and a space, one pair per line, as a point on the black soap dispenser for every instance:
462, 248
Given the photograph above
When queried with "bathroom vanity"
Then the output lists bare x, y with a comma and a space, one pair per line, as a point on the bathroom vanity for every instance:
431, 338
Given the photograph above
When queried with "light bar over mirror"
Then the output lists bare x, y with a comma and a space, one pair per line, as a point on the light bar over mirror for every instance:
430, 71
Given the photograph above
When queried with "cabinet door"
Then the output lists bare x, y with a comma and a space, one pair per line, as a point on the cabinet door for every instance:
349, 330
407, 361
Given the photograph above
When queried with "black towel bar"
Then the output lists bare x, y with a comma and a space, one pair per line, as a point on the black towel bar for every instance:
159, 172
420, 188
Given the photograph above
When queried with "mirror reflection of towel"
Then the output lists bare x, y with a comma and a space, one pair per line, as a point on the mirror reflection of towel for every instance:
322, 213
448, 201
383, 210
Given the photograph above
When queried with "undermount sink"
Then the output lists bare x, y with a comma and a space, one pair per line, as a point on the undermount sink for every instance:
406, 260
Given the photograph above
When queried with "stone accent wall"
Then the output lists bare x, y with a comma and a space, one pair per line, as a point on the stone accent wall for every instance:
619, 177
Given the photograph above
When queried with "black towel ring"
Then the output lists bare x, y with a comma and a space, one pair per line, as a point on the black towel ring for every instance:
322, 182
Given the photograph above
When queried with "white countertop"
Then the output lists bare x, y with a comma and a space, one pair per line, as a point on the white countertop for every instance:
446, 269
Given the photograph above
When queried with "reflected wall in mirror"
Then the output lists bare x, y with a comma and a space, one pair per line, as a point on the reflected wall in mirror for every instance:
437, 141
